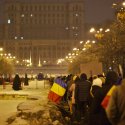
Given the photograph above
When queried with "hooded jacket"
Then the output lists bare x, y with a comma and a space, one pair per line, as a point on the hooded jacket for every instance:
116, 107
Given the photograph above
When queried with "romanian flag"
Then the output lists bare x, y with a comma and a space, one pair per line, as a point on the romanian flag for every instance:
57, 90
105, 101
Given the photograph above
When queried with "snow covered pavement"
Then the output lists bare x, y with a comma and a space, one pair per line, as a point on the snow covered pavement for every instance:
9, 99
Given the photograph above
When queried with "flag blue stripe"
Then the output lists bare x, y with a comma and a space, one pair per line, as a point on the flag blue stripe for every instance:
60, 82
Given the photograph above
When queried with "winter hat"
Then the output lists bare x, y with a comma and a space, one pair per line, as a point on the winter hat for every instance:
97, 82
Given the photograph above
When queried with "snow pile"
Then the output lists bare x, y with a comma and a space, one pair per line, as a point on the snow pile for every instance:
37, 111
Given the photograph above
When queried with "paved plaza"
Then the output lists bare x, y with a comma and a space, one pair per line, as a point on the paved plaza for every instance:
9, 98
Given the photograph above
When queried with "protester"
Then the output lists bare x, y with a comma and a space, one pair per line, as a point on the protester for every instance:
1, 79
97, 112
116, 106
69, 81
90, 79
17, 83
82, 93
73, 103
96, 85
102, 77
57, 90
26, 80
64, 98
119, 81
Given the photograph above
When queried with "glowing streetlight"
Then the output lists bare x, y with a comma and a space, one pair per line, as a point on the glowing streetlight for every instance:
44, 62
84, 49
69, 54
120, 10
107, 30
81, 42
74, 49
93, 41
123, 4
1, 49
99, 34
17, 61
92, 30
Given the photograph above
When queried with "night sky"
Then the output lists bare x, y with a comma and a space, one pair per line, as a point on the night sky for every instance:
97, 11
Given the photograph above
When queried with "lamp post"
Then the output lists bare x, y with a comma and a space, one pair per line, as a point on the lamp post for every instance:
120, 14
120, 10
99, 34
102, 46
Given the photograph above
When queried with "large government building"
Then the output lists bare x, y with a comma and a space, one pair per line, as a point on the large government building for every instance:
41, 30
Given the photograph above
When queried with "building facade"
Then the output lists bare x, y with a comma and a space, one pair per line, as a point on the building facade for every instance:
44, 19
38, 50
42, 29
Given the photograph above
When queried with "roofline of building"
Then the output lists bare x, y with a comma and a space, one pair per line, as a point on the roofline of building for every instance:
42, 1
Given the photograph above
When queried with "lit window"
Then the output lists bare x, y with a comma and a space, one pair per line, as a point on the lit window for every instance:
22, 15
15, 37
21, 37
66, 28
9, 21
76, 14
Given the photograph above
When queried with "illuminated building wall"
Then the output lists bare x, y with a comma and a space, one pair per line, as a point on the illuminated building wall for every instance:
48, 28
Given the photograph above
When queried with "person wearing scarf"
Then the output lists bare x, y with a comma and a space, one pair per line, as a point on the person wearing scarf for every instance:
97, 111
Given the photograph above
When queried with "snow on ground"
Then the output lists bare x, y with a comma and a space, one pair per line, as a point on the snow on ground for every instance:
8, 104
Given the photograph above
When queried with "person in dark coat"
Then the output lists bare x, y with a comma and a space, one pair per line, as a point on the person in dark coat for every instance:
1, 80
97, 112
17, 83
116, 106
82, 93
26, 80
119, 81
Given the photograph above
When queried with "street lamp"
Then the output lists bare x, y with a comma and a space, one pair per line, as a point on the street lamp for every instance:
120, 10
81, 42
71, 56
92, 30
99, 34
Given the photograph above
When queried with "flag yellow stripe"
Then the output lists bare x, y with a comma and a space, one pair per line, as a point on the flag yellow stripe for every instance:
111, 90
58, 89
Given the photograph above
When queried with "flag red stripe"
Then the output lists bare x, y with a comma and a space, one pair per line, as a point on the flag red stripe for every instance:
54, 97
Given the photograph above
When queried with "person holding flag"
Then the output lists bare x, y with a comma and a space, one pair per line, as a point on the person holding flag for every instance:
57, 90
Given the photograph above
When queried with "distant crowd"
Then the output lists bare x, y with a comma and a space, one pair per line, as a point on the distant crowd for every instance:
17, 82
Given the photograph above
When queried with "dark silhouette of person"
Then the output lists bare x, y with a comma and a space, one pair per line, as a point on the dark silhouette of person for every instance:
17, 83
97, 112
82, 93
26, 83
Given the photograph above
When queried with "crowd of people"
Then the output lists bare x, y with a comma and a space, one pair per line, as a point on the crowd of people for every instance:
17, 82
98, 100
